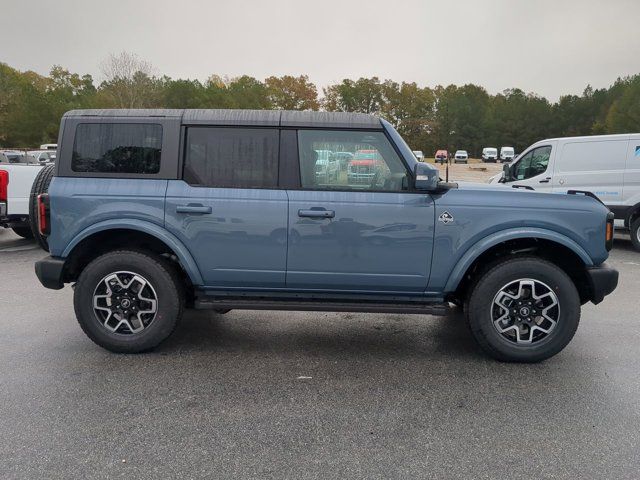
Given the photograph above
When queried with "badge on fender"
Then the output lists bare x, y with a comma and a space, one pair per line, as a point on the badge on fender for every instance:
445, 218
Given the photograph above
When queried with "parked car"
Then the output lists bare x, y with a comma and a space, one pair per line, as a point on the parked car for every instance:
507, 154
327, 166
441, 156
16, 156
43, 156
16, 181
419, 155
49, 146
344, 158
363, 167
461, 156
137, 236
602, 164
489, 154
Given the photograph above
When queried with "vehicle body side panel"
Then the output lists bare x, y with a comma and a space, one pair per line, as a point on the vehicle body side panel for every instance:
78, 203
483, 214
241, 242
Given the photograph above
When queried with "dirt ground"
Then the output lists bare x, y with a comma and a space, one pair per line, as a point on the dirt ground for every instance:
474, 171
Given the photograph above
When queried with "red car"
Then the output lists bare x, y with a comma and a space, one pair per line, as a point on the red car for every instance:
442, 156
363, 166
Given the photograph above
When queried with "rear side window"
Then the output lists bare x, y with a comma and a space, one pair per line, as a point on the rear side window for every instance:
117, 148
231, 157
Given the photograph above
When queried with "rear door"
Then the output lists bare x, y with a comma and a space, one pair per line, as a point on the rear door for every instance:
596, 166
227, 208
372, 236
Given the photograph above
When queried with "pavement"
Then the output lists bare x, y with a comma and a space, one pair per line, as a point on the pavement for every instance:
311, 395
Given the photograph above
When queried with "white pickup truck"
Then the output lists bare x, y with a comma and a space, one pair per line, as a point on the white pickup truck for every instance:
16, 180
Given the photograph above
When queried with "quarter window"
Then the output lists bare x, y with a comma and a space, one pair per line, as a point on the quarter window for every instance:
349, 160
533, 163
117, 148
232, 157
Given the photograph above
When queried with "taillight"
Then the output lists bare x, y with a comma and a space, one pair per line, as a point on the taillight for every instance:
43, 214
4, 183
609, 231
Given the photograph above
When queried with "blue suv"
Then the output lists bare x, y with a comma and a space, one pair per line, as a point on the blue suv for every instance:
150, 212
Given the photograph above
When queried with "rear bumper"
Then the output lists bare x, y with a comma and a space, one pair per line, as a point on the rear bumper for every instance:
49, 271
603, 280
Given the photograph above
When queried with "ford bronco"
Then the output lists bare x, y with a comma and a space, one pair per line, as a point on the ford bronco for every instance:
150, 212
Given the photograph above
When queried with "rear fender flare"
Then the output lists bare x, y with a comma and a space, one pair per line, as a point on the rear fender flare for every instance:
183, 254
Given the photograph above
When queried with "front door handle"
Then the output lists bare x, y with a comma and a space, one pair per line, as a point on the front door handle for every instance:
317, 213
546, 180
193, 208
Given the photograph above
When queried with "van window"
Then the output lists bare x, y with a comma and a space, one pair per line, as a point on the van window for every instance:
231, 157
117, 148
349, 160
581, 156
533, 163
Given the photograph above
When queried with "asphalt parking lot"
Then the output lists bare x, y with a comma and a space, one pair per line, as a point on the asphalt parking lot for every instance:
308, 395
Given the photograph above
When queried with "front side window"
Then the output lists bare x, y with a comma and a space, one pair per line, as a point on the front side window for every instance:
532, 163
349, 160
232, 157
117, 148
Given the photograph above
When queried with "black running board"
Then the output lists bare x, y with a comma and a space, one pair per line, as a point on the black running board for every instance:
212, 303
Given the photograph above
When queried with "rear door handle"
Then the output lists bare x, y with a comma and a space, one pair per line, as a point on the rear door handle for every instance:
317, 213
546, 180
193, 208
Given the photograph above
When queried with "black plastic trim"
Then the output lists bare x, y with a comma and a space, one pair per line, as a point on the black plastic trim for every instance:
602, 280
49, 271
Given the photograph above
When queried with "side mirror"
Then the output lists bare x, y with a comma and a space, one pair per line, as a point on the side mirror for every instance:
506, 172
426, 177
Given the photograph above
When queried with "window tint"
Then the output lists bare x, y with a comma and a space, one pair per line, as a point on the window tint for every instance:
117, 148
232, 157
533, 163
349, 160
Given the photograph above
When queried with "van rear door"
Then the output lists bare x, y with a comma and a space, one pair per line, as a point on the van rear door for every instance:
596, 166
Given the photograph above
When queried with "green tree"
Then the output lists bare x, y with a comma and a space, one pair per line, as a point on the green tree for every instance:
292, 93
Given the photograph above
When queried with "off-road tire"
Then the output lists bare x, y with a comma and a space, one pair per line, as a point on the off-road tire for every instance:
40, 185
480, 300
160, 273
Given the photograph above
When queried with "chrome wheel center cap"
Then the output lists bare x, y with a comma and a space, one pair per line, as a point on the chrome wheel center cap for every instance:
525, 311
125, 303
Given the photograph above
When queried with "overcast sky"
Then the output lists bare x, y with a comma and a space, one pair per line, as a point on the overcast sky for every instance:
551, 47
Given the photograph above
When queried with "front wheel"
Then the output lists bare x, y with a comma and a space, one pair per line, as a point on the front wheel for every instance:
523, 310
127, 301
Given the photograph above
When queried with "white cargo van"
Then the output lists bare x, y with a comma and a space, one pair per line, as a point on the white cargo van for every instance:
489, 154
606, 165
506, 154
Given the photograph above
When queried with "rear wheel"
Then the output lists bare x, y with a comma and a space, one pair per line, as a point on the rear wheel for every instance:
128, 302
24, 232
634, 230
40, 185
523, 310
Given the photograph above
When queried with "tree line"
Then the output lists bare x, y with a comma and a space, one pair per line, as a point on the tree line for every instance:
452, 117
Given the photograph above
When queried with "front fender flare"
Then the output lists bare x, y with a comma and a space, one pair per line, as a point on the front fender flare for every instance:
487, 242
183, 254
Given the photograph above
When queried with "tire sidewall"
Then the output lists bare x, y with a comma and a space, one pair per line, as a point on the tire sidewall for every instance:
633, 231
495, 279
169, 301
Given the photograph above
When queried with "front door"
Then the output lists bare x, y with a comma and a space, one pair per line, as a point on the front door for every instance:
534, 168
227, 209
360, 230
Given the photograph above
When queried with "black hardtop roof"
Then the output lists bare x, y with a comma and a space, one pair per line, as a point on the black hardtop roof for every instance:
284, 118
